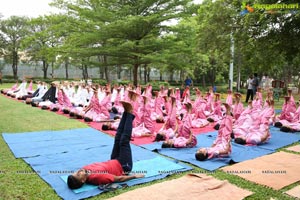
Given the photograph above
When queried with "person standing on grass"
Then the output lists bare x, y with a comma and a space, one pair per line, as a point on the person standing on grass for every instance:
249, 89
118, 168
255, 84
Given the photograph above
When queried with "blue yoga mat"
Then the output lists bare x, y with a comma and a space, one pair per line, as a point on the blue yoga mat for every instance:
280, 139
39, 143
239, 152
53, 162
188, 154
148, 167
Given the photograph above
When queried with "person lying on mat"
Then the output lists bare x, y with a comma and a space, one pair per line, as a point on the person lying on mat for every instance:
118, 168
222, 145
185, 137
170, 127
257, 131
146, 126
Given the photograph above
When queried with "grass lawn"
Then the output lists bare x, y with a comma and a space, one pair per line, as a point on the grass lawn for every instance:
18, 117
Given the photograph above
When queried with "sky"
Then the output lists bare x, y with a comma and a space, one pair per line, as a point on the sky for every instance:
29, 8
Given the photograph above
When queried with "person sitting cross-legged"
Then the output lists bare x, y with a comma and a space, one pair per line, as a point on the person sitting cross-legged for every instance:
118, 168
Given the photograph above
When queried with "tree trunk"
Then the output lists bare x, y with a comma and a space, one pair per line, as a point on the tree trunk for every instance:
100, 68
15, 65
203, 81
148, 74
85, 74
106, 69
67, 68
140, 73
119, 70
181, 75
135, 74
86, 71
45, 68
160, 76
145, 73
52, 69
172, 75
238, 86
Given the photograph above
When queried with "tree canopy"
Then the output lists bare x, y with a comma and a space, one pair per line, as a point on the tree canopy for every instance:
139, 34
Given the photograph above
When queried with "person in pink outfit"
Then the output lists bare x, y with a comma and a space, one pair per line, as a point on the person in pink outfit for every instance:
113, 125
258, 100
186, 96
238, 106
13, 88
293, 125
185, 137
216, 113
222, 144
291, 95
96, 111
268, 98
288, 110
57, 106
229, 98
157, 114
117, 107
200, 118
258, 132
67, 105
197, 101
170, 126
29, 89
177, 94
245, 118
146, 127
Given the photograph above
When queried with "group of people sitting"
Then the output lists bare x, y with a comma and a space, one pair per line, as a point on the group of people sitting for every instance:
249, 125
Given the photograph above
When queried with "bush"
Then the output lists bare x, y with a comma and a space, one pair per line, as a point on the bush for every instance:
156, 84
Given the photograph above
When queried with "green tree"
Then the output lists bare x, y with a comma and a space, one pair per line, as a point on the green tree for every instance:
40, 42
122, 32
216, 19
12, 31
274, 40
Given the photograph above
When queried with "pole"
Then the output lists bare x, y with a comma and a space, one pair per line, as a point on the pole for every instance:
231, 61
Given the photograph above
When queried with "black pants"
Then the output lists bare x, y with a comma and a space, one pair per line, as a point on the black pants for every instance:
249, 94
122, 150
